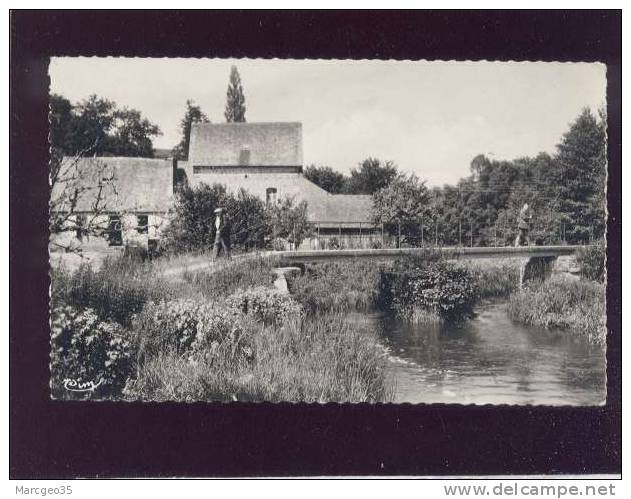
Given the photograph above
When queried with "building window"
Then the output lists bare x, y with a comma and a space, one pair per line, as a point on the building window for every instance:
142, 224
244, 157
80, 225
270, 195
115, 231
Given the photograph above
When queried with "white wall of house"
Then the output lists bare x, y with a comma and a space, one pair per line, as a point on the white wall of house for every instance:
131, 233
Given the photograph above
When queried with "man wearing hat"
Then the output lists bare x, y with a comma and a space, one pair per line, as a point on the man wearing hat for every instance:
523, 224
222, 234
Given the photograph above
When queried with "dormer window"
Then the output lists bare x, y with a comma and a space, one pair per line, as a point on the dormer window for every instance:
244, 157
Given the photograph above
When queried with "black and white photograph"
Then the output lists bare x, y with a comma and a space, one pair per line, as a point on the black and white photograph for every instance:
316, 231
326, 245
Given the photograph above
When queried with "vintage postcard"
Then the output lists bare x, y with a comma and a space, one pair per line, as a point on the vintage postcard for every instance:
319, 231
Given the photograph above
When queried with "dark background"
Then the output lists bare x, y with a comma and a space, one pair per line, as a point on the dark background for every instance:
50, 439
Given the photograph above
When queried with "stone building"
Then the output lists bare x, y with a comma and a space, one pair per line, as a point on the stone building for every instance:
134, 206
265, 159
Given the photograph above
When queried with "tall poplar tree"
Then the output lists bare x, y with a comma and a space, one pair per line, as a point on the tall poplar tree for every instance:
235, 104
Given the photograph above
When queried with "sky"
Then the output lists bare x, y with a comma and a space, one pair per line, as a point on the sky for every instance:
430, 118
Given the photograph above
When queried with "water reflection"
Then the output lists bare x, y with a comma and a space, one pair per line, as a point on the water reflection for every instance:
491, 360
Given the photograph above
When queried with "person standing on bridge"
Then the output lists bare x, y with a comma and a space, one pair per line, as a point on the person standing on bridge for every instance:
222, 233
523, 224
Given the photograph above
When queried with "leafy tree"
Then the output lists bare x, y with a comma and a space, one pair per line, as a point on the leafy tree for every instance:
327, 178
98, 126
192, 227
287, 220
131, 135
403, 203
235, 100
192, 115
580, 178
370, 176
60, 118
92, 121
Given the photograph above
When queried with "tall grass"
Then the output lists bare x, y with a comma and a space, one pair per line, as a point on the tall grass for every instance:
117, 290
493, 279
232, 276
346, 285
574, 305
310, 359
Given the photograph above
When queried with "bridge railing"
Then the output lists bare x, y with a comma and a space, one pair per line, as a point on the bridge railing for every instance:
331, 234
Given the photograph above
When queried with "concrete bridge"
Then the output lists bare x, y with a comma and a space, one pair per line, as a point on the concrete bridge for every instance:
450, 253
536, 261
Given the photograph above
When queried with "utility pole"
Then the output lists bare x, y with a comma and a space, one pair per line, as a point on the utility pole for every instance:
383, 243
459, 231
471, 232
399, 230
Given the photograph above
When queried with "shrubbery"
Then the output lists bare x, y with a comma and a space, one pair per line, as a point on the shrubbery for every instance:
440, 290
187, 327
117, 291
87, 349
562, 303
267, 305
591, 260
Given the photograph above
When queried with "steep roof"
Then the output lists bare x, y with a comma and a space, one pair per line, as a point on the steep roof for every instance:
246, 144
347, 208
139, 184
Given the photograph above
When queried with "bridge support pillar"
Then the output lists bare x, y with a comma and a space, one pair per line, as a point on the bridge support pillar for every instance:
536, 268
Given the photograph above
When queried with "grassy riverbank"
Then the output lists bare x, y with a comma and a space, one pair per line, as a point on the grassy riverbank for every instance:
577, 306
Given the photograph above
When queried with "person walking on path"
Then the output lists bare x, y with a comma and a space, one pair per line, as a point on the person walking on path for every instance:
523, 224
222, 234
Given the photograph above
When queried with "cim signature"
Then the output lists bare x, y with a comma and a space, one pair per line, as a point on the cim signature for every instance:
74, 385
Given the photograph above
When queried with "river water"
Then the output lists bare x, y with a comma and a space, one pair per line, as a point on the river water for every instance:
491, 360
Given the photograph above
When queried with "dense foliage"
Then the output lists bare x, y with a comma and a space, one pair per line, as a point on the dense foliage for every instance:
266, 305
326, 177
193, 114
437, 290
116, 291
566, 192
562, 303
591, 261
85, 348
235, 100
252, 223
368, 177
99, 127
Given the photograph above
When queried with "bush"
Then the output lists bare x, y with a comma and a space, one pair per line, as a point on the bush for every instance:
335, 244
192, 227
184, 327
591, 261
85, 348
425, 289
117, 291
267, 305
563, 303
